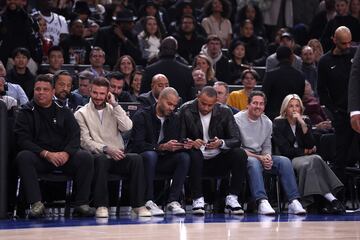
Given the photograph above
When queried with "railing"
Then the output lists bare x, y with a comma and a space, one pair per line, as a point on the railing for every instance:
3, 160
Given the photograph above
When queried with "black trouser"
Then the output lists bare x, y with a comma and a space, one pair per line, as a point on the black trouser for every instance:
233, 161
344, 137
80, 165
131, 166
176, 164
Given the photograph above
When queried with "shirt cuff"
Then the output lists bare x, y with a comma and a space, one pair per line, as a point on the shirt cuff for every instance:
353, 113
223, 145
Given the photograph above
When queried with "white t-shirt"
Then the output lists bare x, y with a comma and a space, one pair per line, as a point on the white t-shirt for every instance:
205, 122
56, 25
161, 135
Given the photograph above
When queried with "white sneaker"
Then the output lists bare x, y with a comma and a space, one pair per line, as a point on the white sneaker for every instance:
102, 212
198, 206
296, 208
265, 208
141, 212
154, 209
174, 208
232, 206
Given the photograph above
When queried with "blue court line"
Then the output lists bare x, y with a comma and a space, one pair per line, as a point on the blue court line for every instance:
209, 218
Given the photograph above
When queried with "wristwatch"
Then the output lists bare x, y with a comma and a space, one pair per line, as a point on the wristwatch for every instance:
104, 149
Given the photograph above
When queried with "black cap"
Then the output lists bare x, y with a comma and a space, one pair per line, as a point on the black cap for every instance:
125, 15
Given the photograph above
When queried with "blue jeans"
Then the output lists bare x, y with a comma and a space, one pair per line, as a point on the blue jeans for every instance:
176, 164
282, 167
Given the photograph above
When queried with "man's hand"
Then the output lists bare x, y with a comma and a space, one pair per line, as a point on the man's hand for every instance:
214, 143
57, 158
266, 161
171, 146
198, 143
115, 153
355, 122
324, 125
309, 151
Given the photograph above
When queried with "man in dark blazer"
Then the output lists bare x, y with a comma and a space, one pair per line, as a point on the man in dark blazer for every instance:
214, 139
158, 83
179, 75
155, 135
282, 81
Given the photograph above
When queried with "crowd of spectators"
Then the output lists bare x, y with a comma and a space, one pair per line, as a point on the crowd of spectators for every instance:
91, 56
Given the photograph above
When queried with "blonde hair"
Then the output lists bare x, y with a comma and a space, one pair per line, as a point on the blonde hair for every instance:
210, 73
285, 104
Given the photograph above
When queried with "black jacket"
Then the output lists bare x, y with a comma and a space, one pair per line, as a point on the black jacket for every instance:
284, 138
333, 80
222, 124
280, 82
114, 47
146, 99
146, 130
179, 76
27, 130
26, 81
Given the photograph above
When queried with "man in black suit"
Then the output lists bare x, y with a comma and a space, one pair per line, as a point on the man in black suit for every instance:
282, 81
117, 83
179, 75
214, 140
158, 83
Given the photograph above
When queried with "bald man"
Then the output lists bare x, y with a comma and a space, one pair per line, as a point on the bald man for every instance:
333, 79
158, 83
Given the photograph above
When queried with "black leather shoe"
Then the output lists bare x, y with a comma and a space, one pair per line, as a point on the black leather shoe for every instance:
334, 207
338, 207
84, 211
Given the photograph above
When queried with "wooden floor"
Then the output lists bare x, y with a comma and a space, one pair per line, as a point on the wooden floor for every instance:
183, 231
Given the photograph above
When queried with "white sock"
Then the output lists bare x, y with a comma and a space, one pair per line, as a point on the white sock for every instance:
330, 197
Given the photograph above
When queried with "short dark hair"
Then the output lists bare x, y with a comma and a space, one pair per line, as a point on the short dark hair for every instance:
208, 91
101, 82
55, 49
21, 50
59, 73
213, 37
117, 75
256, 93
44, 78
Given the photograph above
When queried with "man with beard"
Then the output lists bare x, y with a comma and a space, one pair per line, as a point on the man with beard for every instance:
63, 95
49, 139
101, 122
156, 137
158, 83
255, 133
333, 80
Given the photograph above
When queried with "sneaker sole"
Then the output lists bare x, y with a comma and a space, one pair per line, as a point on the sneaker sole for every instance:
238, 212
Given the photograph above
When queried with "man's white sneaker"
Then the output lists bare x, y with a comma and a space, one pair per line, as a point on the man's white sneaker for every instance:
232, 206
296, 208
174, 208
154, 209
102, 212
198, 206
265, 208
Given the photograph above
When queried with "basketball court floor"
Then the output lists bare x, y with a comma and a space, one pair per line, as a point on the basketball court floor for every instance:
211, 226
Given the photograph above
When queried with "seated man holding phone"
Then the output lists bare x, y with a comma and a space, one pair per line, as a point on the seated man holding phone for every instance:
155, 136
214, 140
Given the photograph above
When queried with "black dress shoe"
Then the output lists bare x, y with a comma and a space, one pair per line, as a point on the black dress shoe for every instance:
84, 211
334, 207
337, 207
